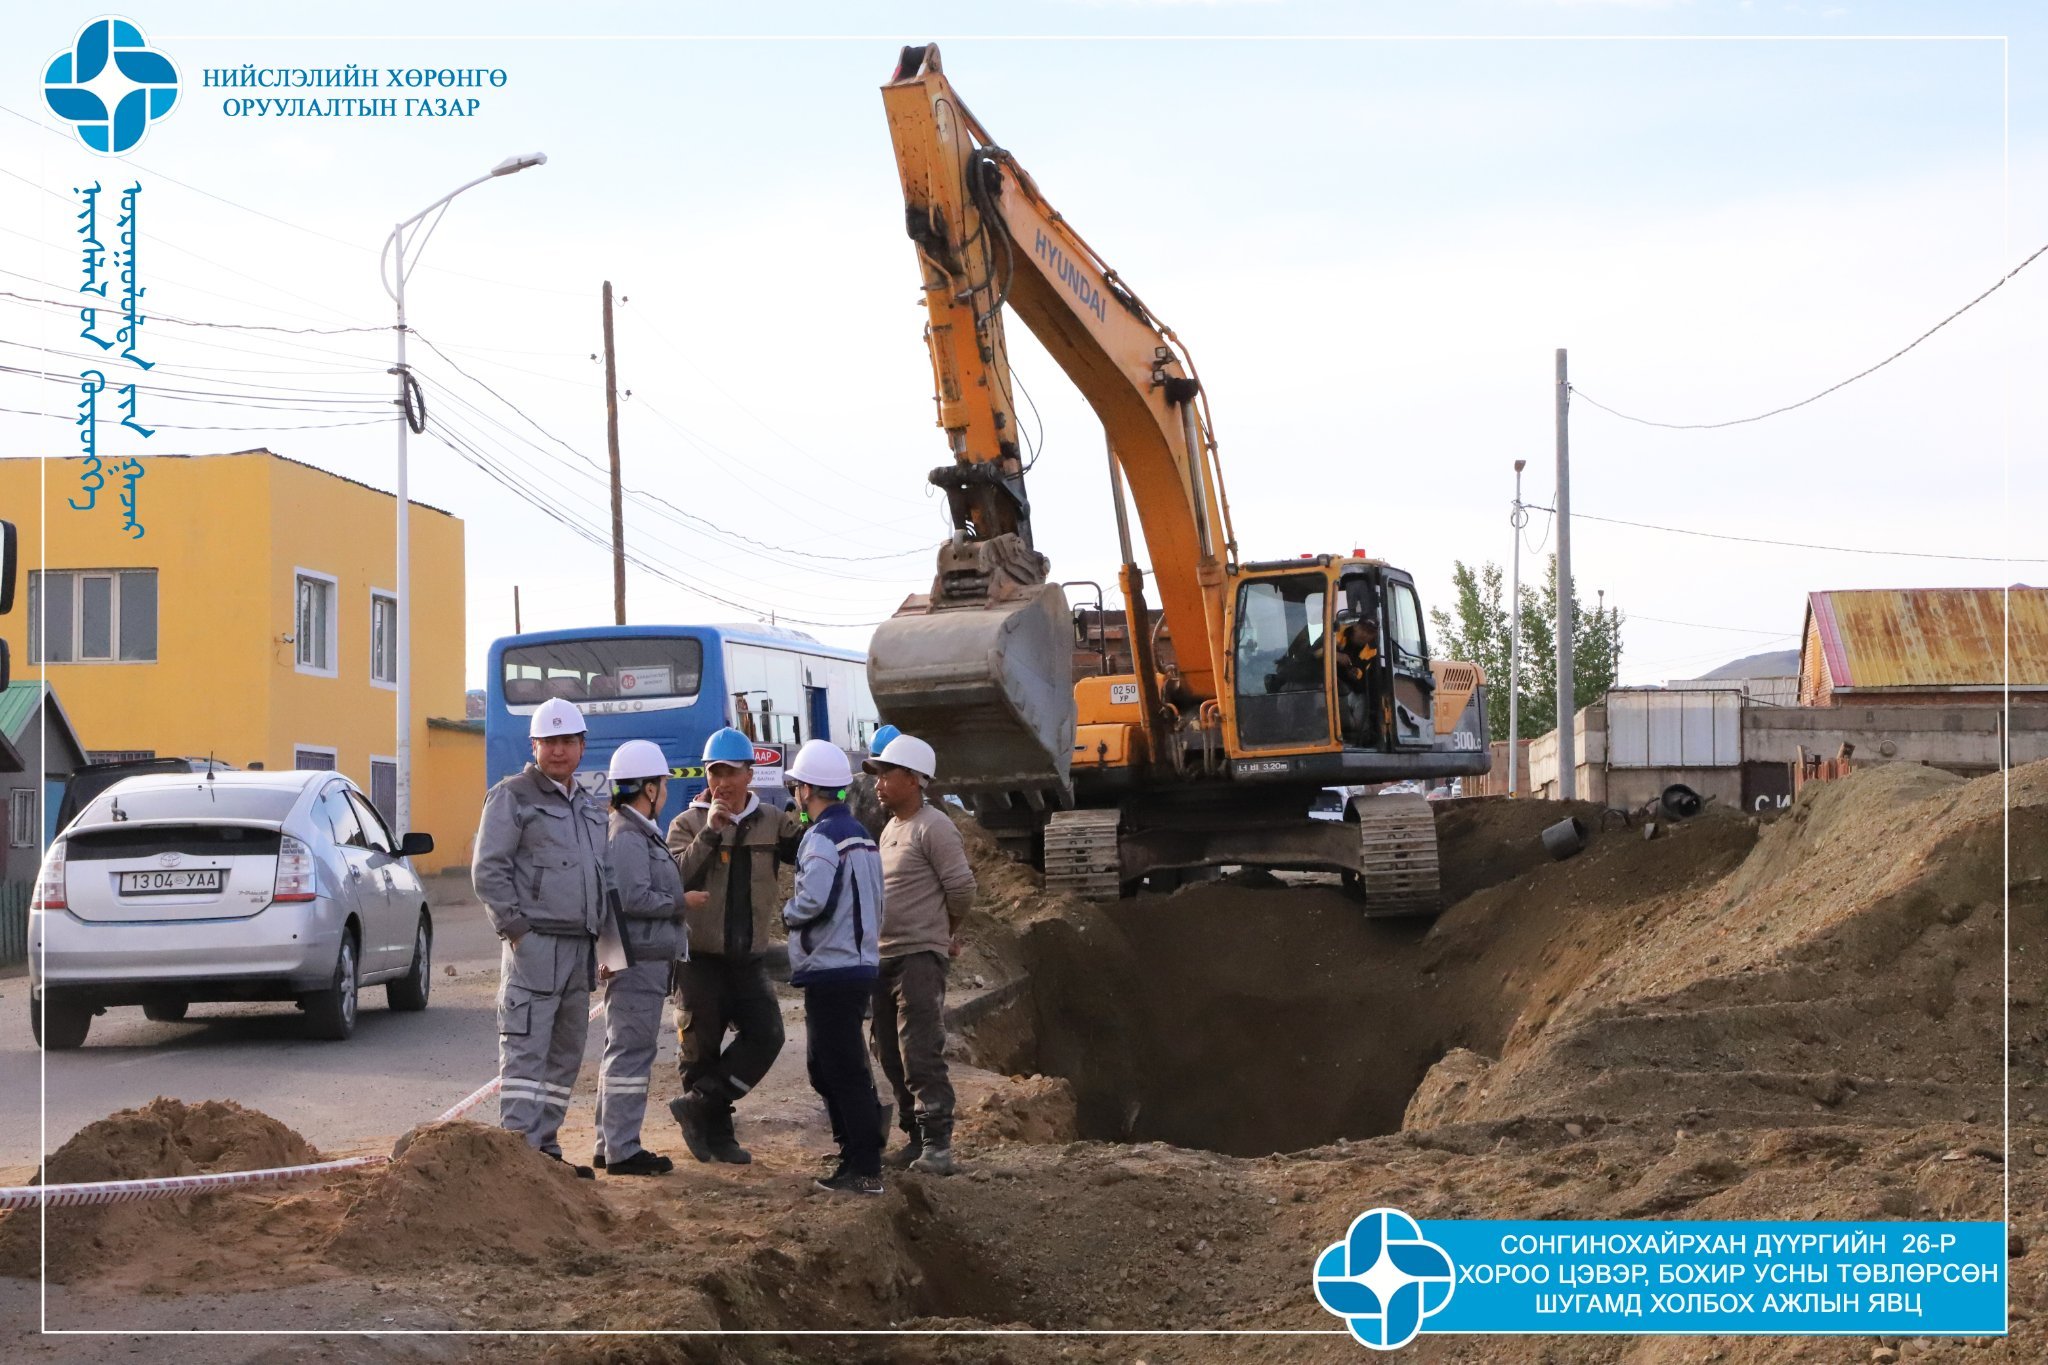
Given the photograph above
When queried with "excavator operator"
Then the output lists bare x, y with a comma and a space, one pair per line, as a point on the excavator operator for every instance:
1358, 646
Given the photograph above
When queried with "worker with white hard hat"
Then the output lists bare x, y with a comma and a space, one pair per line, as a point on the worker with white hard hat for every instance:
834, 921
927, 890
542, 871
730, 846
651, 923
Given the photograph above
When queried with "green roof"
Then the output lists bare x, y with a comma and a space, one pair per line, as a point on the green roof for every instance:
17, 704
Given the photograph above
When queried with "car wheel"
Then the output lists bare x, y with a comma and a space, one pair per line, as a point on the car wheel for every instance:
57, 1026
409, 992
165, 1011
331, 1014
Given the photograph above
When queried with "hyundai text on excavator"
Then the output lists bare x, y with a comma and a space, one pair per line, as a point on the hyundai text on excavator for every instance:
1289, 676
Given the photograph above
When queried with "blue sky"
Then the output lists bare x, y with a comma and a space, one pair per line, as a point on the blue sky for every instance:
1373, 244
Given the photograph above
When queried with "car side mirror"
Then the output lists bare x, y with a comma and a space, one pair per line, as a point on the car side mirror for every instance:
415, 844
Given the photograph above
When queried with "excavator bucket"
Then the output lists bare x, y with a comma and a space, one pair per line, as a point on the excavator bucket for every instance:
990, 687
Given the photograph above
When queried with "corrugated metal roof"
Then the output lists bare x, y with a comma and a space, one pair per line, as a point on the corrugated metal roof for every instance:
18, 703
1931, 637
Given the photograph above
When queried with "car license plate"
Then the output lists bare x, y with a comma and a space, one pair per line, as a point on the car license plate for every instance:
183, 880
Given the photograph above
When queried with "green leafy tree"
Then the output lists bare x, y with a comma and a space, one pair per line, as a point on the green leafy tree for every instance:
1476, 629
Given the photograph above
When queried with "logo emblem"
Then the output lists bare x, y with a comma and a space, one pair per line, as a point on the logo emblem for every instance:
169, 859
1384, 1279
110, 85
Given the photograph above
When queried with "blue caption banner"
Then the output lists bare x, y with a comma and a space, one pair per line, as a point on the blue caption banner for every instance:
1392, 1278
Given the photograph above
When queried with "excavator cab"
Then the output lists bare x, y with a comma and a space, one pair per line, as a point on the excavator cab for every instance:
1327, 656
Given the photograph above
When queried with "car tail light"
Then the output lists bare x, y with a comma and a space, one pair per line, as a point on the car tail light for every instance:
294, 871
49, 893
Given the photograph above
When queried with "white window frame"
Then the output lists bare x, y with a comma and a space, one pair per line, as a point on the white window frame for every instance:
40, 579
378, 595
370, 790
333, 632
326, 749
21, 817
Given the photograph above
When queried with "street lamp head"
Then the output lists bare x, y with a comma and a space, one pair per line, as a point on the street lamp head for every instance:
1519, 464
519, 163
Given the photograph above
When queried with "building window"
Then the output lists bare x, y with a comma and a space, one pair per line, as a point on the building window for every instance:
92, 616
383, 638
384, 787
314, 759
313, 629
21, 817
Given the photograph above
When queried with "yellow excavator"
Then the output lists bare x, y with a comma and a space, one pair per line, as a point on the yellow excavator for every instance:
1287, 677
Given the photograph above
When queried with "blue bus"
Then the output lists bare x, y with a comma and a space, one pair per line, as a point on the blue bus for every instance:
675, 685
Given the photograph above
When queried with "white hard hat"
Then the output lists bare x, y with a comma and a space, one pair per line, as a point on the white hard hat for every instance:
637, 759
556, 716
821, 763
906, 751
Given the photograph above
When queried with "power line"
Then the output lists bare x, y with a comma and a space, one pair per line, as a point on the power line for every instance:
644, 495
185, 426
1739, 421
1702, 625
1797, 544
299, 227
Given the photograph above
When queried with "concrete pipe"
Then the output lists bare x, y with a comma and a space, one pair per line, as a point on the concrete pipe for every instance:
1565, 838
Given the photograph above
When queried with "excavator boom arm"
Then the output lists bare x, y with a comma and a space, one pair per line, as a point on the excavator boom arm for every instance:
987, 238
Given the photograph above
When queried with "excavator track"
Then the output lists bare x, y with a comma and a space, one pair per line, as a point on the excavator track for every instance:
1081, 855
1397, 861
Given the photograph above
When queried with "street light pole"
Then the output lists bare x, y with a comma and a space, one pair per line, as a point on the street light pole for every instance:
1518, 519
393, 268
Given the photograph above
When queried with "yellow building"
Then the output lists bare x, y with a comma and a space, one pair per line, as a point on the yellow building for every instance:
253, 620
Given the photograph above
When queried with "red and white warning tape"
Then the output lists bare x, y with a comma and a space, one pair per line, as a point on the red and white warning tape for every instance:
166, 1187
169, 1187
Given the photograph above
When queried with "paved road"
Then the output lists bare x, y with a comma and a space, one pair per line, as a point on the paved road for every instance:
397, 1070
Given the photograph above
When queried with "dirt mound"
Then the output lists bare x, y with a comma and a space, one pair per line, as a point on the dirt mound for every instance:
1489, 840
1021, 1109
165, 1137
450, 1196
1853, 967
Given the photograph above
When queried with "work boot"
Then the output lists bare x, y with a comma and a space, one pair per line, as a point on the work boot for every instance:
911, 1150
642, 1162
724, 1146
693, 1114
936, 1158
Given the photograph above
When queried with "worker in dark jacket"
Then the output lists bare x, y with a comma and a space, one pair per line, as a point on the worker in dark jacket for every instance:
728, 846
542, 872
835, 926
651, 923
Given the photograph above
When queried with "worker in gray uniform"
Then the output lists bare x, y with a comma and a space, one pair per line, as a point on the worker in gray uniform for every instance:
651, 922
542, 872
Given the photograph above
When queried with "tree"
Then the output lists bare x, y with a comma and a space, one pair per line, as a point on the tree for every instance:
1477, 631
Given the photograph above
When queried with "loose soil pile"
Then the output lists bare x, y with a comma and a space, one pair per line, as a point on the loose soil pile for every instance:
447, 1197
163, 1138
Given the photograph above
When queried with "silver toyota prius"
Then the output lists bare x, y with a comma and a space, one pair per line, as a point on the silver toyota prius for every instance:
175, 888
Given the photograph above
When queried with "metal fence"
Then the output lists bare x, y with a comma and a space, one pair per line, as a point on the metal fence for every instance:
13, 922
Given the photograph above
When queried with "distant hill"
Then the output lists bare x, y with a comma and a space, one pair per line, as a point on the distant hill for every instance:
1778, 663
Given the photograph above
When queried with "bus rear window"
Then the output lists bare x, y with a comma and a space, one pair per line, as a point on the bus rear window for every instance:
603, 670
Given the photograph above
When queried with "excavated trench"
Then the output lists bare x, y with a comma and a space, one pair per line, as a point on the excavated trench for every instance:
1249, 1019
1239, 1020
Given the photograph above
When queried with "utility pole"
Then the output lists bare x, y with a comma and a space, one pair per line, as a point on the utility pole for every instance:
1567, 759
1518, 519
515, 611
611, 431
